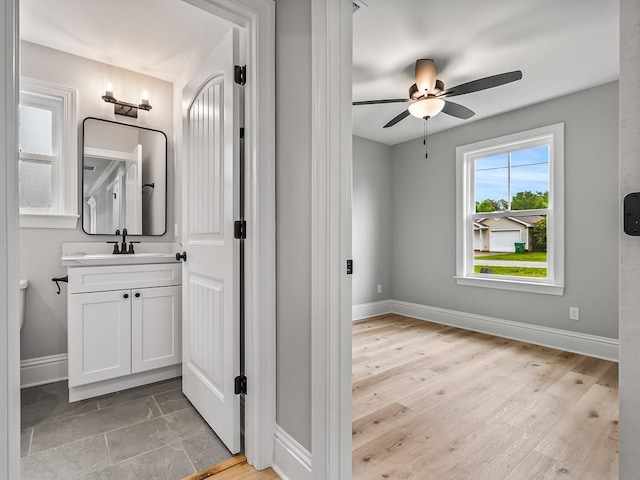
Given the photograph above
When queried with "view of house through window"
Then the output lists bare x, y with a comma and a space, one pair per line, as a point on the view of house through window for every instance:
511, 207
510, 212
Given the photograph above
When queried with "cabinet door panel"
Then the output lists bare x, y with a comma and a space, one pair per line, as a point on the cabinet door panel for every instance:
99, 326
155, 328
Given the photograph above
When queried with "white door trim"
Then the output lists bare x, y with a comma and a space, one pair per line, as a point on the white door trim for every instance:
9, 325
331, 27
257, 18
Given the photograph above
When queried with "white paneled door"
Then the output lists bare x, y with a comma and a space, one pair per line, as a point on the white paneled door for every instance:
210, 315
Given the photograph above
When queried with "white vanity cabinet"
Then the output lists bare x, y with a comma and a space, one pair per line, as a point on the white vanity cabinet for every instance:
155, 328
99, 336
123, 327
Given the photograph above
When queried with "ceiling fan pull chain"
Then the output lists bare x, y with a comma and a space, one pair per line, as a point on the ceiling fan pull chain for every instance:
426, 150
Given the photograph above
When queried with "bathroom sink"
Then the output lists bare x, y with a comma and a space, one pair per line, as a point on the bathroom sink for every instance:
110, 259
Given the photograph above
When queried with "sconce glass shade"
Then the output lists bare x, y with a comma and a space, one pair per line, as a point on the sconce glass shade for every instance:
108, 89
427, 107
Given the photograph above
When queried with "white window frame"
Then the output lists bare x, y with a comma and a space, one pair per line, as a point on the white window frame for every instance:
64, 171
552, 135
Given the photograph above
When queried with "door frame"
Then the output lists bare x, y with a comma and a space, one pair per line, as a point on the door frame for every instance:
331, 189
257, 21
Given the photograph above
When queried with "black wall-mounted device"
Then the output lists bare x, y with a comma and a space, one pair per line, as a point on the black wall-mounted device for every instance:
349, 267
631, 213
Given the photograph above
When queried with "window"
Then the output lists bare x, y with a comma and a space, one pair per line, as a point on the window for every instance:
48, 156
510, 208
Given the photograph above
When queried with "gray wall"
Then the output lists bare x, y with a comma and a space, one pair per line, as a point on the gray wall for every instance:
293, 211
371, 220
423, 259
629, 246
45, 328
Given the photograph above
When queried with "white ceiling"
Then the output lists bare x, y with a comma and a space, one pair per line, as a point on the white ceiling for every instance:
561, 46
153, 37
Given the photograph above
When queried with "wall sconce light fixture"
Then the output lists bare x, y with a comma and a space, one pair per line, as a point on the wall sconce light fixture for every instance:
126, 108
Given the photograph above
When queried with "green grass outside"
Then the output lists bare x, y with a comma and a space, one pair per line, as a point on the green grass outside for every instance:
514, 271
516, 257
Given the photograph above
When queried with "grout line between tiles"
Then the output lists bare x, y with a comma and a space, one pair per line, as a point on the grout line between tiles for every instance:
82, 475
30, 440
157, 405
106, 442
188, 457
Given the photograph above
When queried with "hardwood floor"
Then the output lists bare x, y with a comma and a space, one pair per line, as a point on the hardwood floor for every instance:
441, 403
235, 468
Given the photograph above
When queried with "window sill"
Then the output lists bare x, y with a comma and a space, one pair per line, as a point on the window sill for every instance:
518, 286
48, 220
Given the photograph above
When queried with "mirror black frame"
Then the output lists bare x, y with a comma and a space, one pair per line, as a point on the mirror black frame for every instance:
166, 176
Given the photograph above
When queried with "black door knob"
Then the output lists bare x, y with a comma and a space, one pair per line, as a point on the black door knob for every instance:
126, 295
182, 256
137, 294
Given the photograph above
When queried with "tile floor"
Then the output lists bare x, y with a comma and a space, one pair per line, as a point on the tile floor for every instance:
148, 432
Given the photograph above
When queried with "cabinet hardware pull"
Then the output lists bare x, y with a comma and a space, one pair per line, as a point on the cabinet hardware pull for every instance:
126, 295
183, 256
137, 294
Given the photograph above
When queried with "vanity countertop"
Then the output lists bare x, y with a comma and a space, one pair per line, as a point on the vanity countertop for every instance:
95, 259
85, 254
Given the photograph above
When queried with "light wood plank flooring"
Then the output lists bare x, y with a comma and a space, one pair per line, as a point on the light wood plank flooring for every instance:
437, 402
235, 468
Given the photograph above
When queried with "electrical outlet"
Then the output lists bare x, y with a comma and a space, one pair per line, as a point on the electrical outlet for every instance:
379, 288
574, 313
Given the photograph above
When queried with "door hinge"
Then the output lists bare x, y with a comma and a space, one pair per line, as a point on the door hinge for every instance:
240, 229
240, 73
349, 267
241, 385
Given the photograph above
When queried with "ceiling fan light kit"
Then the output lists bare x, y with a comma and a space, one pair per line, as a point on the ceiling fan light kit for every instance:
426, 107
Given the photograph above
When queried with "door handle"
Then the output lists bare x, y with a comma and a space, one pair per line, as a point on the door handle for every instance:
182, 256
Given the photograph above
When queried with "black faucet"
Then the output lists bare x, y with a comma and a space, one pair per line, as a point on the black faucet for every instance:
122, 248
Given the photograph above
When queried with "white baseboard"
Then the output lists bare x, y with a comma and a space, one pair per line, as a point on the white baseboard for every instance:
368, 310
585, 344
291, 461
42, 370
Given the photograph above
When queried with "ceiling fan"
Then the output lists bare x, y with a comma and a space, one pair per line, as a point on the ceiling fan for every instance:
427, 96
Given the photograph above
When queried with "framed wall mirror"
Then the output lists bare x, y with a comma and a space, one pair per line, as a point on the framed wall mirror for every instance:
124, 178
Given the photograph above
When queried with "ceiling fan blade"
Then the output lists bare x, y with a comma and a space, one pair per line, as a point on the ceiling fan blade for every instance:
374, 102
482, 84
425, 75
457, 110
397, 119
